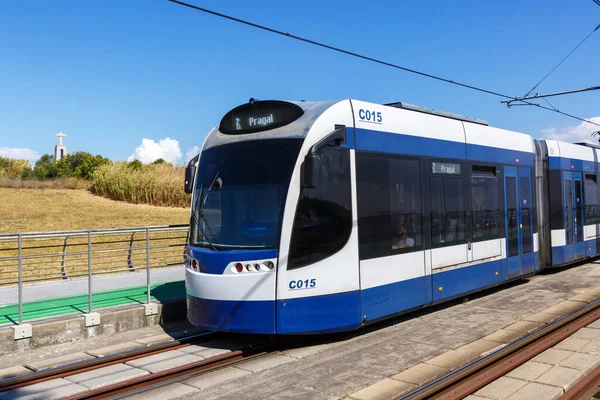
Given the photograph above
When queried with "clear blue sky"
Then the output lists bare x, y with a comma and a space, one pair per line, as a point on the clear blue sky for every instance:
109, 73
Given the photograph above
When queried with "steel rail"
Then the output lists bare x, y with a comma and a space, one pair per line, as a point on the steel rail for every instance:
472, 377
105, 361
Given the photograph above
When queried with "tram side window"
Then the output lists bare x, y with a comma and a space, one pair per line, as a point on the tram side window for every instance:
389, 205
323, 219
592, 214
485, 211
448, 215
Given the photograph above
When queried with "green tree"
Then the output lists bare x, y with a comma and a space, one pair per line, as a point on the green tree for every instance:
135, 165
4, 167
17, 167
159, 161
80, 164
44, 168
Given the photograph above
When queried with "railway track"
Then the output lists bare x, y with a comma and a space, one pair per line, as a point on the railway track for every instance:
247, 349
472, 377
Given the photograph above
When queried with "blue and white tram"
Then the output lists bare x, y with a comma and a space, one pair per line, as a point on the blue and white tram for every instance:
313, 217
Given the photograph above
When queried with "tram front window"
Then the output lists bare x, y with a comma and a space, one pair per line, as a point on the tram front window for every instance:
240, 194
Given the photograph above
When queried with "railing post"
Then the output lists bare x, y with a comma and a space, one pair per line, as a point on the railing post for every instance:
63, 262
89, 272
130, 253
148, 264
20, 257
151, 308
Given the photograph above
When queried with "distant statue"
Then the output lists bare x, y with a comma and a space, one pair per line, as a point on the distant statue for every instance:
60, 150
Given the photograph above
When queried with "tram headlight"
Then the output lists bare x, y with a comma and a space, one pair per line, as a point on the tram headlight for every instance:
270, 264
239, 267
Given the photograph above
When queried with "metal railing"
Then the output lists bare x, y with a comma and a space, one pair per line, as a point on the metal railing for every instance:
60, 255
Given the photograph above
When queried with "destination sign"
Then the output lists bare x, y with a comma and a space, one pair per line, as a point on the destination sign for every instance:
259, 116
445, 168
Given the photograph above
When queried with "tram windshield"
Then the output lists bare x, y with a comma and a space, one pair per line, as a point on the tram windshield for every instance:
240, 193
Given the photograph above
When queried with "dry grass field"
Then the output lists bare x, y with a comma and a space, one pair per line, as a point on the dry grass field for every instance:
28, 210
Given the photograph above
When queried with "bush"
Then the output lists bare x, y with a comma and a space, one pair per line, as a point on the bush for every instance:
44, 168
12, 168
80, 165
156, 184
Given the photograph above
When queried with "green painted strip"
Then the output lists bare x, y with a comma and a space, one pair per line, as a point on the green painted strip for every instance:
79, 304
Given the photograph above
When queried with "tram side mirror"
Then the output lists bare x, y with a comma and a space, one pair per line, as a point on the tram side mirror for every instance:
312, 161
190, 172
310, 171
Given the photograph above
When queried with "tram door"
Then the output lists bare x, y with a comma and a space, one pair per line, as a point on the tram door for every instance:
573, 201
518, 219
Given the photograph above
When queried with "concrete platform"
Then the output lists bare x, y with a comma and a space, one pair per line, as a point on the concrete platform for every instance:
63, 329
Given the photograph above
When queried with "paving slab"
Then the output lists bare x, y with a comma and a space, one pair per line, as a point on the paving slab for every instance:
572, 344
524, 326
587, 333
501, 388
560, 376
49, 390
563, 308
480, 346
168, 392
581, 361
114, 349
504, 336
11, 372
529, 371
595, 291
421, 374
383, 390
592, 348
264, 362
301, 352
452, 359
203, 352
106, 376
595, 324
163, 361
153, 339
552, 356
584, 298
217, 377
542, 317
58, 361
536, 391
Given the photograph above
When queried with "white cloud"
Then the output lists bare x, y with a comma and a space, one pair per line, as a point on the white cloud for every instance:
191, 153
573, 134
19, 153
168, 149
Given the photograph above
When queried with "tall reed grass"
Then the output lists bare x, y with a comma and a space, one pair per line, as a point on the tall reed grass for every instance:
155, 184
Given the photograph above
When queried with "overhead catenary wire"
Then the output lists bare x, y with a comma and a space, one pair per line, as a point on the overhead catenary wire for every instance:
367, 58
562, 61
543, 96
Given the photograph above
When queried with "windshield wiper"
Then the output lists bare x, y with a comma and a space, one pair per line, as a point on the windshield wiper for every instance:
202, 230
